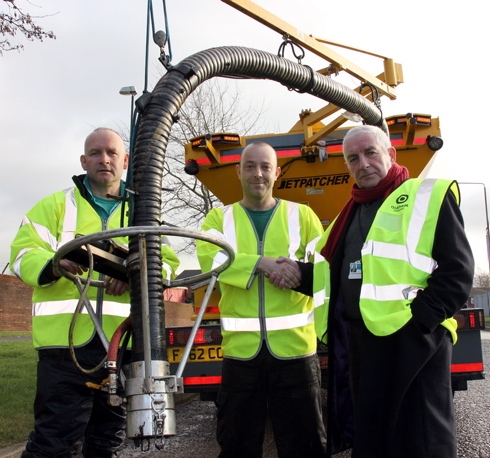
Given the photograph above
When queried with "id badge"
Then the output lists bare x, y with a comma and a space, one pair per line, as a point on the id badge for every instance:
355, 270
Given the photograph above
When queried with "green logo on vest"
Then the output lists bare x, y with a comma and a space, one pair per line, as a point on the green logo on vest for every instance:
402, 199
401, 203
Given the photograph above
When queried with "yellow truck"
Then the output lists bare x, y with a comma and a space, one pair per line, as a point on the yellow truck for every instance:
312, 170
315, 176
313, 173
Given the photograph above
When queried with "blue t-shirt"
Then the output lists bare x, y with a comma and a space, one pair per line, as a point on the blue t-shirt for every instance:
102, 205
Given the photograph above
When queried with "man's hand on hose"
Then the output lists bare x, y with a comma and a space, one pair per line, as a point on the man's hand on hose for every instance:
115, 287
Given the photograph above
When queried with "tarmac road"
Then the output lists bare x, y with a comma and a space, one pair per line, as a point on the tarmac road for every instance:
196, 421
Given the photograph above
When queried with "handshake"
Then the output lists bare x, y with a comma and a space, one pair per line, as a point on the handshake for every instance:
283, 273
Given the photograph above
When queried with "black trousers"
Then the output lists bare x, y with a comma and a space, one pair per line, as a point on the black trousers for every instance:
288, 390
66, 411
403, 404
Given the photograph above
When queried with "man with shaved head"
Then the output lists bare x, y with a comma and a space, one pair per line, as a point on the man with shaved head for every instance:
66, 410
270, 365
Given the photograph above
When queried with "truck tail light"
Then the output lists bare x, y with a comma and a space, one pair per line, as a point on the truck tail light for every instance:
323, 361
470, 319
178, 337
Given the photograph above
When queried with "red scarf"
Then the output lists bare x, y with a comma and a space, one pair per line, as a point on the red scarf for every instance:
394, 178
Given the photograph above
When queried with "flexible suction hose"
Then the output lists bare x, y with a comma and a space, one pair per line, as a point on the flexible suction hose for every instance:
159, 110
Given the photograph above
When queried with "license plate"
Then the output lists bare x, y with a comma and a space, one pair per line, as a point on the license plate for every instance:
197, 354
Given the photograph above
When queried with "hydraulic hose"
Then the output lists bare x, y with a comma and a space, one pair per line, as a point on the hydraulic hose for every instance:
112, 352
159, 110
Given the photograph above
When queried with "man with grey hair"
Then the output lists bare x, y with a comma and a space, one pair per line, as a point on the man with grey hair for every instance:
400, 268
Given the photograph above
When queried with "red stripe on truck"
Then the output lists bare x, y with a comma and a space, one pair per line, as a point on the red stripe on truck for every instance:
211, 380
467, 367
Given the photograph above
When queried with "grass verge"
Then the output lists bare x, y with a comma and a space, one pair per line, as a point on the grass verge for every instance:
15, 334
18, 361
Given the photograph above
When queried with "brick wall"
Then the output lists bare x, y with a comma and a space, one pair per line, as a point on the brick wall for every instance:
15, 304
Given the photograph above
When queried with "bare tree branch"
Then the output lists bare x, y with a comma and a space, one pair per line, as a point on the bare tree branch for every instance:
15, 20
481, 279
212, 107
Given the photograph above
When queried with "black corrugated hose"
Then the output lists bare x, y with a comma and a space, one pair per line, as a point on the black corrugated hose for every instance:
159, 110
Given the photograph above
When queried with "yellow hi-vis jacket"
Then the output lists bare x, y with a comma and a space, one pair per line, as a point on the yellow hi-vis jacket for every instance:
52, 222
396, 257
252, 310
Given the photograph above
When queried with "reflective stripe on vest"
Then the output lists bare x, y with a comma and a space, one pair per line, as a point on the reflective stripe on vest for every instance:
405, 252
294, 230
228, 235
319, 296
400, 252
253, 310
229, 232
271, 324
276, 323
310, 250
70, 219
17, 262
67, 234
394, 273
321, 270
45, 235
389, 292
69, 305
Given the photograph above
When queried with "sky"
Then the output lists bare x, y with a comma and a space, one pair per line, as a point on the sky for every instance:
54, 93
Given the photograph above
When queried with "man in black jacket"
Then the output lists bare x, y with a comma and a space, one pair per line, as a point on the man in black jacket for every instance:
400, 266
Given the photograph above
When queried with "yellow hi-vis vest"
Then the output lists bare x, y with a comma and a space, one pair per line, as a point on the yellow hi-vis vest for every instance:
51, 223
397, 255
251, 309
